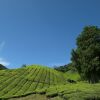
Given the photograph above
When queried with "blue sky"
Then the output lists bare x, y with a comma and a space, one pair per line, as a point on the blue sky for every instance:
43, 31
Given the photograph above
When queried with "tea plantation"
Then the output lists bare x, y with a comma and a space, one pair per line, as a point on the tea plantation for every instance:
27, 80
42, 83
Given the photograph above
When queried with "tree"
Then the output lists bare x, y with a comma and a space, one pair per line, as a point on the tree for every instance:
86, 57
24, 65
65, 68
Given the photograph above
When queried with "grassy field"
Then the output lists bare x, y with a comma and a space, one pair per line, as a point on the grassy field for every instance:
42, 83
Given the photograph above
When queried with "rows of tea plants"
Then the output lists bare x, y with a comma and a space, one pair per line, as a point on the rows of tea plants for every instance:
22, 81
78, 91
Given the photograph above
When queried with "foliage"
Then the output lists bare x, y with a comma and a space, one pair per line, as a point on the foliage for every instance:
24, 65
26, 80
65, 68
79, 91
26, 83
86, 56
72, 76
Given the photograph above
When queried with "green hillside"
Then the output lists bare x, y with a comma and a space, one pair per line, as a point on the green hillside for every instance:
42, 83
79, 91
31, 79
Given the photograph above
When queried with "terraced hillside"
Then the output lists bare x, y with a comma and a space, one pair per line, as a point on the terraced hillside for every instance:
30, 82
78, 91
22, 81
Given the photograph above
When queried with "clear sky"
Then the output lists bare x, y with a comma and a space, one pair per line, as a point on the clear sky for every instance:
43, 31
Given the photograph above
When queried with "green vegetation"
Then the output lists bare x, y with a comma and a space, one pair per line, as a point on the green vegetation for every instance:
86, 57
24, 65
66, 68
28, 80
72, 75
79, 91
37, 97
42, 83
68, 82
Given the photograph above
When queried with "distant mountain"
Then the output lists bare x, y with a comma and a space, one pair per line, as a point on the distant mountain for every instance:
2, 67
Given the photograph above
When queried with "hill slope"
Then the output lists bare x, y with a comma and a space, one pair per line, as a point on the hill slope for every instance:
22, 81
2, 67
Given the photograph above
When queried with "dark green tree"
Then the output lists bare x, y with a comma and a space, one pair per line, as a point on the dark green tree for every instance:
65, 68
24, 65
86, 57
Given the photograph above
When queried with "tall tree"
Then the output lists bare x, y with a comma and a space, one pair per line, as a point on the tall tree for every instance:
86, 56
